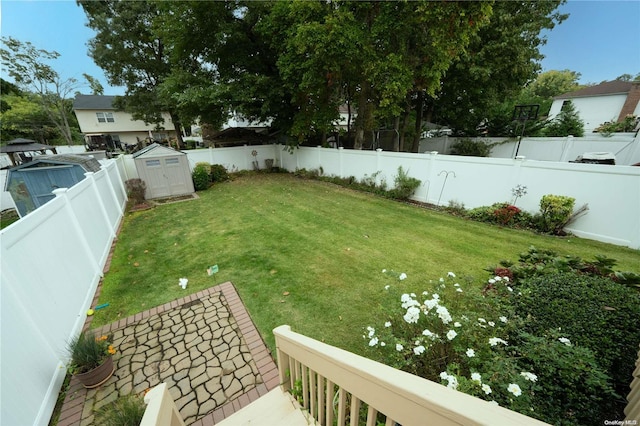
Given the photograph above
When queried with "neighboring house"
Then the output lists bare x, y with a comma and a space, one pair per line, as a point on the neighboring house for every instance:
610, 101
98, 119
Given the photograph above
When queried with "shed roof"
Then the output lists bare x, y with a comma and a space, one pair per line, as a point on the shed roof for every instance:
156, 150
93, 102
607, 88
90, 164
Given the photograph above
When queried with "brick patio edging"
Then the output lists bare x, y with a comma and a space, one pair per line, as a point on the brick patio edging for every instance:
72, 407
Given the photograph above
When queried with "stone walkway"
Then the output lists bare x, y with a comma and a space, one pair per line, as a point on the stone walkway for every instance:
204, 346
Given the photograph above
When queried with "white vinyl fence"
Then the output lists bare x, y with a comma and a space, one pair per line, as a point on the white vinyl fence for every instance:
612, 193
51, 262
625, 146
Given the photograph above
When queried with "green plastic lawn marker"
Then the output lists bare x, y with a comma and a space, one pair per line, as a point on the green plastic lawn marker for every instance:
212, 270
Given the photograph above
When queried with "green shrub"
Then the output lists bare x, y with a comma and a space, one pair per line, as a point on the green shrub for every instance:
218, 173
405, 186
456, 208
482, 214
125, 411
572, 388
136, 189
478, 344
471, 148
190, 144
503, 214
200, 175
556, 211
592, 312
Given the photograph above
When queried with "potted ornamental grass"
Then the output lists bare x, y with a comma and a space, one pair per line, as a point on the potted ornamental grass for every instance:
91, 359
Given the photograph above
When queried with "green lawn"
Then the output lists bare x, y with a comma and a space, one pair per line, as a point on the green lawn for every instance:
324, 245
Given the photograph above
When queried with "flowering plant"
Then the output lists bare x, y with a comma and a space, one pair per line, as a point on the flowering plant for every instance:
88, 351
472, 341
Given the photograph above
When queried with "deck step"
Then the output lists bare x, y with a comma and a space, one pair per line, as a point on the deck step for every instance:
275, 408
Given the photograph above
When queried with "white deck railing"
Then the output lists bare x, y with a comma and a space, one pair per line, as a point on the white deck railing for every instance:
336, 385
161, 409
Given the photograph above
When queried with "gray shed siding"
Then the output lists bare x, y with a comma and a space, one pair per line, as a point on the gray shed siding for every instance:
165, 171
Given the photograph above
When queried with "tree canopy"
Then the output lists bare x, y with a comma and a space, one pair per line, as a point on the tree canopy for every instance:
28, 67
128, 48
501, 60
296, 63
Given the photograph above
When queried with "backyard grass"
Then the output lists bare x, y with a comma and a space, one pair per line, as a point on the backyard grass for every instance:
307, 253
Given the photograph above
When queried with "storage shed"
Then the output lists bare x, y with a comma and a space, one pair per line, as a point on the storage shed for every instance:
164, 170
31, 184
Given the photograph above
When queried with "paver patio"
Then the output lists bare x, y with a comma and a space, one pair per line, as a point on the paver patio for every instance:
204, 346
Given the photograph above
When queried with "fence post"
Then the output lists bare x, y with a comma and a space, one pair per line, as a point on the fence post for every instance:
568, 146
103, 209
378, 165
112, 190
341, 162
211, 159
432, 172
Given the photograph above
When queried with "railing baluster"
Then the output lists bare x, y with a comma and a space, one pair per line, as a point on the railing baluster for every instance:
305, 386
292, 372
372, 415
296, 371
313, 394
355, 411
321, 404
342, 406
283, 366
389, 422
329, 406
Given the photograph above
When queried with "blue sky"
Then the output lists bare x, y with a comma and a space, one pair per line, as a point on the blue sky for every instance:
600, 39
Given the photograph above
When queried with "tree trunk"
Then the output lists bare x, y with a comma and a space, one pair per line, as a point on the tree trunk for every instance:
397, 146
405, 124
178, 128
363, 119
418, 128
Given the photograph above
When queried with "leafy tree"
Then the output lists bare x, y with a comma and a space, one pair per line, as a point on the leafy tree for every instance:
225, 64
132, 55
540, 91
500, 60
629, 77
26, 65
94, 84
401, 48
566, 123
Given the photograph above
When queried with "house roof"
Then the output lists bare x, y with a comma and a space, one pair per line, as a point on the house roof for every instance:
90, 164
156, 150
93, 102
607, 88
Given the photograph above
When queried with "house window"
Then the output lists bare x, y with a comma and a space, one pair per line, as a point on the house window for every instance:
565, 105
105, 117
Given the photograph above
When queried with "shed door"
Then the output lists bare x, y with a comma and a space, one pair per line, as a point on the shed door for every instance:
176, 174
166, 177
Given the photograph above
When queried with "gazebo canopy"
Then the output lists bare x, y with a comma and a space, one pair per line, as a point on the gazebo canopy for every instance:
20, 145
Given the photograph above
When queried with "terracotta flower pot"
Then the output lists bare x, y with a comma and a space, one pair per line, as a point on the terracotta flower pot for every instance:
97, 376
